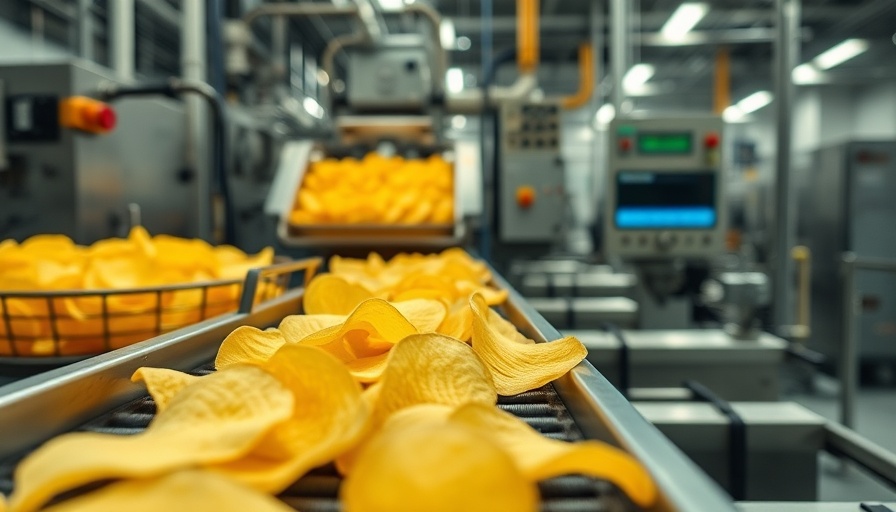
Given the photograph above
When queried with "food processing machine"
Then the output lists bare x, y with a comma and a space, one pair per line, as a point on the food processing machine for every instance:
72, 165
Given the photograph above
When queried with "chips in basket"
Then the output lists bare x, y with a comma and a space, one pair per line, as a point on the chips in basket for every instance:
104, 309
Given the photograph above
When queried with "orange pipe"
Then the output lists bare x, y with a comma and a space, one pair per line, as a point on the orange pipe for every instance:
722, 85
586, 79
527, 40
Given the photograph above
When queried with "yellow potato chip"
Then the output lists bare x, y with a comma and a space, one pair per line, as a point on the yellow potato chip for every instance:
218, 418
298, 327
247, 344
435, 467
329, 418
184, 490
163, 384
541, 458
332, 295
458, 323
424, 314
432, 368
517, 367
372, 315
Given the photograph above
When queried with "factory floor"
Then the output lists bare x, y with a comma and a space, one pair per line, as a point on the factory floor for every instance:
875, 419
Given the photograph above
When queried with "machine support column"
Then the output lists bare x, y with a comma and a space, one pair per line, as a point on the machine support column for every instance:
193, 69
620, 42
786, 54
122, 44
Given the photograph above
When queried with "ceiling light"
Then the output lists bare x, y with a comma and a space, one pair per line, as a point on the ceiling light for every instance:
605, 114
841, 53
447, 34
454, 80
390, 5
684, 19
806, 74
733, 114
464, 43
459, 122
755, 101
637, 76
313, 107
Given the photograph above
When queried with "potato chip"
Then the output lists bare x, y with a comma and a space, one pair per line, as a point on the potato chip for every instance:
329, 418
517, 367
247, 344
372, 315
298, 327
435, 467
220, 417
332, 295
541, 458
163, 384
432, 368
184, 490
424, 314
458, 323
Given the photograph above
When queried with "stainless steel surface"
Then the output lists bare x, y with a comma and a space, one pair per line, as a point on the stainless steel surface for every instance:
391, 75
193, 68
585, 284
770, 506
743, 370
587, 313
787, 46
122, 29
529, 148
601, 412
80, 184
783, 441
849, 359
4, 157
846, 205
739, 296
843, 441
658, 243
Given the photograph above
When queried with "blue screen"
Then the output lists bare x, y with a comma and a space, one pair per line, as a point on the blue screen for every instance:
665, 200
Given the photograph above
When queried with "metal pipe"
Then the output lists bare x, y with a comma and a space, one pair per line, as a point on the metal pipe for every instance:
85, 29
193, 57
586, 79
848, 443
298, 10
803, 327
619, 47
847, 368
122, 38
722, 80
786, 49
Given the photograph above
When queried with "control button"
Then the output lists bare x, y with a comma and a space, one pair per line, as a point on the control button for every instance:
625, 144
711, 140
86, 114
665, 240
525, 196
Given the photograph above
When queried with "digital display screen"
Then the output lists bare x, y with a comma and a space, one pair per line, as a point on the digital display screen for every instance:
665, 143
664, 200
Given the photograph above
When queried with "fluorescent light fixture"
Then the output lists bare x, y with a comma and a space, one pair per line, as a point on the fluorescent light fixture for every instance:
755, 101
454, 80
733, 114
605, 114
806, 74
447, 34
390, 5
841, 53
684, 19
313, 107
637, 76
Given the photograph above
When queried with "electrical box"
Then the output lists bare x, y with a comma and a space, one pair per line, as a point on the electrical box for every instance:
665, 189
392, 75
532, 202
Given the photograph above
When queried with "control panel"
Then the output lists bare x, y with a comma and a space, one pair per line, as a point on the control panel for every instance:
530, 179
665, 188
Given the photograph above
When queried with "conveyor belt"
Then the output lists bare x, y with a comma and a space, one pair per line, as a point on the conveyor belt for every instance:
317, 491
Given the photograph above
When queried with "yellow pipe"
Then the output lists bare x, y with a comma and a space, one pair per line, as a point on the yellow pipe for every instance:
586, 78
803, 257
527, 41
722, 86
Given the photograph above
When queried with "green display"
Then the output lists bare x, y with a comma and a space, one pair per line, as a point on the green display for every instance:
665, 143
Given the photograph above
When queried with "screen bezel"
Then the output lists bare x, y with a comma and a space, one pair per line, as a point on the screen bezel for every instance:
715, 201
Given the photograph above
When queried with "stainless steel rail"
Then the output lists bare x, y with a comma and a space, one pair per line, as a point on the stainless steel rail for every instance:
847, 443
38, 408
851, 264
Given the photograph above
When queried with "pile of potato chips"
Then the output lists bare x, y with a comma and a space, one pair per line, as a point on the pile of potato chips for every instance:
376, 190
392, 374
79, 323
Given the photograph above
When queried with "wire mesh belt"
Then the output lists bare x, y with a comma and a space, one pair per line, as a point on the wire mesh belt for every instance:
317, 491
89, 322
